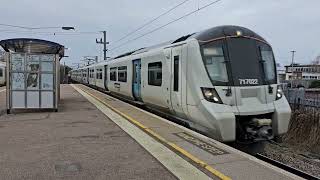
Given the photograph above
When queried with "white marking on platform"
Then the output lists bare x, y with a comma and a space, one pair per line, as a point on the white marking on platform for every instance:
174, 163
221, 145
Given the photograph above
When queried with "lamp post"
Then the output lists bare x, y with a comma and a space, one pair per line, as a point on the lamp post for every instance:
292, 60
33, 28
104, 42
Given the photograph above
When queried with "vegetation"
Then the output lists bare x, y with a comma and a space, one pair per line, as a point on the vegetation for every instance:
304, 128
64, 71
315, 84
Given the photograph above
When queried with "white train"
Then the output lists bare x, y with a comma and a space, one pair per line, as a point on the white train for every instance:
2, 74
221, 82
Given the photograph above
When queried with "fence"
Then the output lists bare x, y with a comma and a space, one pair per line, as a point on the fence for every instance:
302, 98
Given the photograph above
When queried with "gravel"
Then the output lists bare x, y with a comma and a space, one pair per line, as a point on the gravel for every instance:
294, 156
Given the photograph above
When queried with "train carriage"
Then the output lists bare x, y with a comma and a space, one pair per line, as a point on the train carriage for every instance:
221, 81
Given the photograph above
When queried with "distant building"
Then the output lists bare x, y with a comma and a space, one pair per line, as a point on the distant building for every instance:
281, 72
302, 74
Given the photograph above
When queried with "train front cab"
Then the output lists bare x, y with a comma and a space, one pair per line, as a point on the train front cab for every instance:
233, 95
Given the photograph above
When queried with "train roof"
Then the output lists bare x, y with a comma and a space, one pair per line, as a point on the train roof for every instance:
222, 31
209, 34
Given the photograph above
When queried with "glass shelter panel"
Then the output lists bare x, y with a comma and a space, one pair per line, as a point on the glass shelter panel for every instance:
32, 80
17, 62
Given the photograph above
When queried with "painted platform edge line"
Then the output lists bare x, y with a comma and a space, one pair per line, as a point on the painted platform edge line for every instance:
179, 167
163, 140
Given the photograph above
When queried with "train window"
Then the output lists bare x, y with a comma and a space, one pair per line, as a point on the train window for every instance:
214, 62
113, 74
122, 74
99, 73
269, 64
155, 74
176, 73
1, 72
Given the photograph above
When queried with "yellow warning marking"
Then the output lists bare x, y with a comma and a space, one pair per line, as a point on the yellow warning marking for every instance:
163, 140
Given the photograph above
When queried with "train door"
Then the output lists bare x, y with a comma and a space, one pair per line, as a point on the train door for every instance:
105, 82
136, 83
175, 93
88, 76
83, 75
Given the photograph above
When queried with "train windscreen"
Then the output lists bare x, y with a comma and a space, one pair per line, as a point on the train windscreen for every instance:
239, 62
214, 60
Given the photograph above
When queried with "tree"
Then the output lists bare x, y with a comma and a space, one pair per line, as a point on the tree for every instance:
315, 84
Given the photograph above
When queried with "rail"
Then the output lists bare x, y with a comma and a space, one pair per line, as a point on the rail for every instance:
286, 167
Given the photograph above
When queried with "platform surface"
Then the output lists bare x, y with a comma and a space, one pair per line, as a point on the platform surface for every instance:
78, 142
95, 136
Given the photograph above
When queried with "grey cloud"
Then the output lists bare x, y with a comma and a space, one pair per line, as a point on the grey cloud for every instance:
286, 24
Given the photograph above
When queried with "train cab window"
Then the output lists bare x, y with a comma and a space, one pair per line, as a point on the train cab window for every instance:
268, 63
214, 61
122, 74
113, 74
155, 74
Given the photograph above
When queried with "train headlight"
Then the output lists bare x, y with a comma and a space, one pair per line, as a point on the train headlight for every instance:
239, 33
210, 94
279, 93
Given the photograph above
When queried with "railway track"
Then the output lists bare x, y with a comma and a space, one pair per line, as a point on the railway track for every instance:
286, 167
257, 155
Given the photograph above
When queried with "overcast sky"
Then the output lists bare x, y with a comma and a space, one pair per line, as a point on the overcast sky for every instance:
286, 24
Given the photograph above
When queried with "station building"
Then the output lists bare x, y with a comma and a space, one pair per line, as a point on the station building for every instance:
302, 74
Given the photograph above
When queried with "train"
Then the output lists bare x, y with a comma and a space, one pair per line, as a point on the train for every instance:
221, 82
2, 74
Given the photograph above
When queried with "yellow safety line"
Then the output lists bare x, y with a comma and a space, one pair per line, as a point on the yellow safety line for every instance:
160, 138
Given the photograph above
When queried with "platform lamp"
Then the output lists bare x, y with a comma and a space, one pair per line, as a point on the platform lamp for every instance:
67, 28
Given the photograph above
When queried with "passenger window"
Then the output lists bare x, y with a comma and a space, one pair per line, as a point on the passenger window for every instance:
122, 74
176, 73
113, 74
91, 73
1, 72
155, 74
99, 74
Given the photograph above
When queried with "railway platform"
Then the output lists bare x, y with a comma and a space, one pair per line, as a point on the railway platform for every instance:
96, 136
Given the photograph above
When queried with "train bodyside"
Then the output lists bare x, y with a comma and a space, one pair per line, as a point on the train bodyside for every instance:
177, 78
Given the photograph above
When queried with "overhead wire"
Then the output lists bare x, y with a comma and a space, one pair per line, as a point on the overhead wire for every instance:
151, 21
160, 27
49, 33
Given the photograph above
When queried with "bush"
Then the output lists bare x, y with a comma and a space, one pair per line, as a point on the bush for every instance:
315, 84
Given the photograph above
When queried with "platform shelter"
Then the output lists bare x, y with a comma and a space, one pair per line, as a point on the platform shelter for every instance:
33, 80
